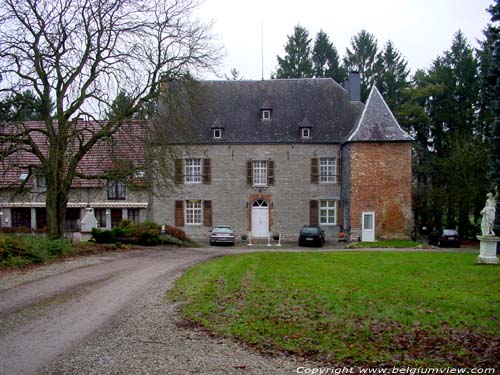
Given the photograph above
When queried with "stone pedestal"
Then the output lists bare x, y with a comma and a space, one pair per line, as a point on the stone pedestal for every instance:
488, 250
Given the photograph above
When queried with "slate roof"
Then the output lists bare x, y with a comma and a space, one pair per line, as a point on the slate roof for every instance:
236, 107
377, 123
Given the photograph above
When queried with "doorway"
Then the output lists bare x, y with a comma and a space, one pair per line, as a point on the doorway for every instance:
260, 218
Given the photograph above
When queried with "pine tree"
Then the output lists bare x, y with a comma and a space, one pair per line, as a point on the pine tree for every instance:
362, 57
325, 59
297, 61
391, 76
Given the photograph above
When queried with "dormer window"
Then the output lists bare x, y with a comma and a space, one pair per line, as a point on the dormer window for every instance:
305, 133
217, 133
266, 114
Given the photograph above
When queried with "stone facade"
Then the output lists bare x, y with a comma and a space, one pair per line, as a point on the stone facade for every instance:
232, 197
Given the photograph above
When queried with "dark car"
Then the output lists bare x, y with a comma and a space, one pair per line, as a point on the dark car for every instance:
222, 234
444, 237
310, 235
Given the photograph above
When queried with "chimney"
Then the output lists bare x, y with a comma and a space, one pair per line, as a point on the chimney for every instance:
353, 86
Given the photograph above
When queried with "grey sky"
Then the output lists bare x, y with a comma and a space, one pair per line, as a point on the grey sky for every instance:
420, 29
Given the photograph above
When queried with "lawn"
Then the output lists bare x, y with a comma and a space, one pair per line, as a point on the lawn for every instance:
352, 308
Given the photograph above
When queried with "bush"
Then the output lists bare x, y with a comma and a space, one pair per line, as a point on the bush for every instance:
149, 238
102, 236
176, 232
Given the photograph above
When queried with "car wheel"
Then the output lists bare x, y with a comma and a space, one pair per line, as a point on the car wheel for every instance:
211, 243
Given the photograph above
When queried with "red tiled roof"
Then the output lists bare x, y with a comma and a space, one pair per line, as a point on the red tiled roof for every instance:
126, 146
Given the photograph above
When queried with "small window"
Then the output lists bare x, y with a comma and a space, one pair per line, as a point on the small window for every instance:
23, 176
134, 215
327, 170
192, 171
327, 212
40, 182
194, 212
116, 190
100, 215
305, 132
266, 114
217, 133
140, 174
260, 173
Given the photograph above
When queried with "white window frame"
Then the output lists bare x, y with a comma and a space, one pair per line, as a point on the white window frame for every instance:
217, 133
328, 170
266, 114
326, 208
303, 132
193, 171
259, 172
193, 212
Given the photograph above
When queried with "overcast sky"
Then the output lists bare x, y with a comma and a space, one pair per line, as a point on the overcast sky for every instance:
420, 29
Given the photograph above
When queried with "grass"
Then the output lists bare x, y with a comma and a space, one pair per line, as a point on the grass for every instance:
351, 308
396, 244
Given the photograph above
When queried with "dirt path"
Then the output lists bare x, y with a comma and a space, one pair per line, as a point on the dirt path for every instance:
41, 319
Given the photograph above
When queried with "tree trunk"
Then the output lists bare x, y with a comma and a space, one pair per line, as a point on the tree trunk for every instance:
56, 202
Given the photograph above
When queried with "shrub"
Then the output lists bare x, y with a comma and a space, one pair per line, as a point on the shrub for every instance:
102, 236
176, 232
170, 240
149, 238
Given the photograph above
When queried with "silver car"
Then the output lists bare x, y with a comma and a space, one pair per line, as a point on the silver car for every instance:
222, 234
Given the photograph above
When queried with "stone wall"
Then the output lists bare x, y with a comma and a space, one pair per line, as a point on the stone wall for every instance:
231, 197
381, 181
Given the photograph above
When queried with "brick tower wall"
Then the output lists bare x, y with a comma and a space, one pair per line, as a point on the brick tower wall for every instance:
381, 181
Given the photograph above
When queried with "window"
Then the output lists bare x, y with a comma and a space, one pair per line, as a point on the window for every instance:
265, 114
193, 171
194, 213
327, 170
260, 173
134, 215
305, 132
23, 176
40, 182
217, 133
116, 190
100, 215
327, 212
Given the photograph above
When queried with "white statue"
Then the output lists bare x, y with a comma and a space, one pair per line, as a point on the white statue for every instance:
488, 213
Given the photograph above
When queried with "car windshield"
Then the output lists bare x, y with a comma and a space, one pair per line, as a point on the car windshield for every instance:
309, 230
223, 230
450, 232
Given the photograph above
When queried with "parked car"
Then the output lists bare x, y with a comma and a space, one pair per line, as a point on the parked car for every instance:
444, 237
311, 235
221, 234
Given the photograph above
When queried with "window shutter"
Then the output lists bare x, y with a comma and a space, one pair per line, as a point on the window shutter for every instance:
207, 213
206, 171
249, 172
338, 171
313, 212
179, 213
270, 172
340, 213
179, 175
314, 171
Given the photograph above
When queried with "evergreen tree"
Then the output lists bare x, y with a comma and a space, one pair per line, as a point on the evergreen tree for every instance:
490, 78
297, 61
391, 76
362, 57
325, 59
22, 106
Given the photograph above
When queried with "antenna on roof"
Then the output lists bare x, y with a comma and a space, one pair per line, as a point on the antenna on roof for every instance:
262, 47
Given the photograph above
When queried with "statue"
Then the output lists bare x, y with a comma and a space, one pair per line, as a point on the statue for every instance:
488, 213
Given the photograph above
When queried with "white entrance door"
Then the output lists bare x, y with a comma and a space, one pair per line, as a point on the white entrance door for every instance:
368, 227
260, 218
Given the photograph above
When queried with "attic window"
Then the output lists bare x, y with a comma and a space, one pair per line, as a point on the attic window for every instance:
305, 133
23, 176
265, 114
217, 133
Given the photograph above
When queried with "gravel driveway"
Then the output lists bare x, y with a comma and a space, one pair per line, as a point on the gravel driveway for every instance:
108, 314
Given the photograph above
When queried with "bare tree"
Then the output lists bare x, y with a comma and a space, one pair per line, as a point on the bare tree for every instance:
79, 54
